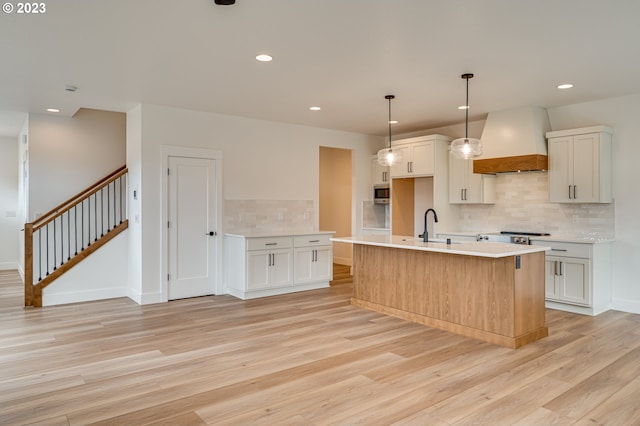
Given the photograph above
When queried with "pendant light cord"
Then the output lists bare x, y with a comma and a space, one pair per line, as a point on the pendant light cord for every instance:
389, 97
466, 117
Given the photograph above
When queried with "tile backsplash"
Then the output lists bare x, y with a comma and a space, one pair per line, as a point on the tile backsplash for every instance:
521, 205
375, 215
242, 216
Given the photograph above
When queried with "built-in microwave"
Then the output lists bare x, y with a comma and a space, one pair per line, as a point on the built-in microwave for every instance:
381, 194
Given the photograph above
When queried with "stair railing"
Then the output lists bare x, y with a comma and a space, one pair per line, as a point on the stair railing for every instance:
67, 234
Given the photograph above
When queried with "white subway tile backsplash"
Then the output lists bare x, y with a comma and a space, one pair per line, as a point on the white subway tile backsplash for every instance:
242, 216
521, 205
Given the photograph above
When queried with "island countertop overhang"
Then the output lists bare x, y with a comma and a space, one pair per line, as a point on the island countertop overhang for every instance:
482, 249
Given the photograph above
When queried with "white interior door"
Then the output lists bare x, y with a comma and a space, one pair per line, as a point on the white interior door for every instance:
191, 227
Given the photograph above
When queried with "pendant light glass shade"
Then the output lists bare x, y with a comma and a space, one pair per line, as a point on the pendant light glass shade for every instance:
388, 156
466, 148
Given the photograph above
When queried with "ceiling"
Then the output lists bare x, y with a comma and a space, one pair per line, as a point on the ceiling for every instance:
342, 55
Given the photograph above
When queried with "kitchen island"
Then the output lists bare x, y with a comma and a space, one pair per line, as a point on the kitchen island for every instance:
489, 291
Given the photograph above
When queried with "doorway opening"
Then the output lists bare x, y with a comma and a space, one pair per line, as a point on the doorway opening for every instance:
335, 199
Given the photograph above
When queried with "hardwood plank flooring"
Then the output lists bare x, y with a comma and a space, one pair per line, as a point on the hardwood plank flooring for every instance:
306, 358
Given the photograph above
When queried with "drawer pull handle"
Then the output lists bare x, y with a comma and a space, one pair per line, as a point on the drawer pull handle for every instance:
314, 241
271, 244
554, 249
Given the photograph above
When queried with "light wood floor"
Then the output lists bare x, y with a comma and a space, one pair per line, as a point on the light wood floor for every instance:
307, 358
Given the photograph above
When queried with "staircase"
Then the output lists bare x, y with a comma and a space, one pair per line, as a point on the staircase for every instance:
341, 274
66, 235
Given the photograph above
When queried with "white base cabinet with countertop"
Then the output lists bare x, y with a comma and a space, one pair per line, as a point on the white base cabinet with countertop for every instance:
259, 266
578, 276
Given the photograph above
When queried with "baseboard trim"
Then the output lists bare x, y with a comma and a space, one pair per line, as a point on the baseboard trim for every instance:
82, 296
5, 266
631, 306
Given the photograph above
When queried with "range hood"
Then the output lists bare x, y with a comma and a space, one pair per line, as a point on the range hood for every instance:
513, 140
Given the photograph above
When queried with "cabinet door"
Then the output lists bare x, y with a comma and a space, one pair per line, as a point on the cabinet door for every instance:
380, 174
422, 158
550, 281
402, 168
322, 267
303, 259
313, 264
586, 168
281, 266
561, 169
457, 179
574, 281
258, 266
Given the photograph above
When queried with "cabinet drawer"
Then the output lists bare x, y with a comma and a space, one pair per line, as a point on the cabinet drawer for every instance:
312, 240
263, 243
565, 249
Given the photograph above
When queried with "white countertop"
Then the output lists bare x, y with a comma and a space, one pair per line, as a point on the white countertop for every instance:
482, 249
268, 234
561, 238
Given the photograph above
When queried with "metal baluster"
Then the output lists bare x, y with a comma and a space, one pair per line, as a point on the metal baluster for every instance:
108, 208
95, 215
89, 221
114, 204
68, 234
102, 213
120, 196
47, 250
61, 239
75, 227
55, 261
40, 254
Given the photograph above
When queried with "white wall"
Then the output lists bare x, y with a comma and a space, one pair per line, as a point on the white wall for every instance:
9, 216
67, 154
262, 160
102, 275
622, 115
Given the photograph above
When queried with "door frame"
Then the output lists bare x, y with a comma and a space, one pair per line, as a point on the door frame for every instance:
190, 152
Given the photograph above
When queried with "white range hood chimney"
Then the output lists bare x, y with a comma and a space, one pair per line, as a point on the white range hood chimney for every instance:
513, 140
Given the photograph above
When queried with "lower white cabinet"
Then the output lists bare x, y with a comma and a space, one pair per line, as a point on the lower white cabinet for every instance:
313, 259
567, 280
266, 266
578, 276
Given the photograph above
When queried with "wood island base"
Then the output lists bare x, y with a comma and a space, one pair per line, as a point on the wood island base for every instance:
498, 300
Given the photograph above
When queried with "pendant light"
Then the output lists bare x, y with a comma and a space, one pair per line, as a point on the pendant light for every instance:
466, 148
387, 156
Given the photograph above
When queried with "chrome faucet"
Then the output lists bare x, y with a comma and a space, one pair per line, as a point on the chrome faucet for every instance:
425, 235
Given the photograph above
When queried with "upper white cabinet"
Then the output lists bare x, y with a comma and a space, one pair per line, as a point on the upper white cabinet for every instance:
380, 174
466, 187
580, 165
418, 156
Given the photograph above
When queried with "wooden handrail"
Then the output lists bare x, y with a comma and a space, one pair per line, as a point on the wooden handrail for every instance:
53, 214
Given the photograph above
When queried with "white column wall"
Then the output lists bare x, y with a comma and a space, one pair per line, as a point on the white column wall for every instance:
262, 160
9, 218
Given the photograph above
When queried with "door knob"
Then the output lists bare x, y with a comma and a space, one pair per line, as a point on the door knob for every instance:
211, 233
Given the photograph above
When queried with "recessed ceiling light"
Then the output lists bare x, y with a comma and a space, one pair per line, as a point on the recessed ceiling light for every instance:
264, 58
565, 86
315, 108
463, 107
53, 110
